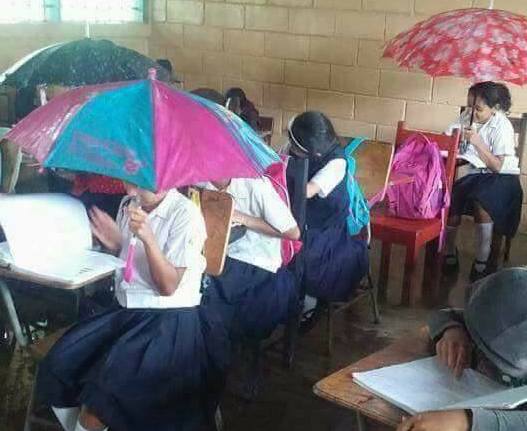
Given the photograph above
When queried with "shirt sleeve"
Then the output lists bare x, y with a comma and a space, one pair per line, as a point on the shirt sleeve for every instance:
503, 140
186, 238
274, 209
503, 420
329, 176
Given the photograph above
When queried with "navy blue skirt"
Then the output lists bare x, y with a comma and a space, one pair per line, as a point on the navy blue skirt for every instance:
251, 300
334, 263
140, 369
500, 196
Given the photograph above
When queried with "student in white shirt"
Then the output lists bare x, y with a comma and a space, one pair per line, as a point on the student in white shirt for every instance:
334, 261
491, 192
254, 293
156, 360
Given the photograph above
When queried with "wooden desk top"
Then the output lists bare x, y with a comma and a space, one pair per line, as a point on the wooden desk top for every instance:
340, 389
44, 281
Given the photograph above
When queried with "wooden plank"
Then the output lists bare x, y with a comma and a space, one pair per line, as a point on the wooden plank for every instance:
340, 389
217, 209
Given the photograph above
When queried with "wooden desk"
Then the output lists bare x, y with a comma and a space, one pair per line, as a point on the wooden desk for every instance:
7, 298
340, 389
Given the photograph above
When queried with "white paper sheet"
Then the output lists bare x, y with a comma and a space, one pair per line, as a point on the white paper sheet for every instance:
425, 385
49, 234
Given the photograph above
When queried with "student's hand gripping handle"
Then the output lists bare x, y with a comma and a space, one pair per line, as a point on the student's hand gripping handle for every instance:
129, 266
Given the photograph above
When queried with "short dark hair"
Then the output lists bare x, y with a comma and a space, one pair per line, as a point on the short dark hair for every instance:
210, 94
314, 133
236, 92
165, 63
494, 94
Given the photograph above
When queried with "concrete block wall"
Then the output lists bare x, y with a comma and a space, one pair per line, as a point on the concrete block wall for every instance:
293, 55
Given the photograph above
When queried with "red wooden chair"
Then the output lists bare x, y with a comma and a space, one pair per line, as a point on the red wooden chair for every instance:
413, 234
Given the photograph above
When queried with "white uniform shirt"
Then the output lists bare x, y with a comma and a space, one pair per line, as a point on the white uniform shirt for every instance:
330, 176
258, 198
498, 135
179, 229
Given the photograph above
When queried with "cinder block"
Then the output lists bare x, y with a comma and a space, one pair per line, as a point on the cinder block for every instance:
312, 21
285, 97
330, 103
450, 90
399, 6
311, 75
276, 114
361, 25
157, 51
370, 55
287, 116
168, 34
333, 50
199, 37
517, 6
339, 4
523, 180
429, 7
263, 69
222, 64
396, 24
386, 133
253, 90
185, 60
523, 223
286, 46
358, 80
380, 111
192, 81
292, 3
266, 18
353, 128
405, 85
224, 15
159, 10
256, 2
185, 11
430, 117
519, 97
244, 42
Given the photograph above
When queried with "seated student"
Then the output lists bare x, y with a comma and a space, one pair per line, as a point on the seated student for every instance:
244, 107
254, 294
489, 335
493, 194
156, 360
334, 261
100, 191
463, 120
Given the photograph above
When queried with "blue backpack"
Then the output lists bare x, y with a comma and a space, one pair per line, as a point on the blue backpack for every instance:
359, 212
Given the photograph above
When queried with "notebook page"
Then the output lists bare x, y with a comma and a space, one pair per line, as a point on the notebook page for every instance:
502, 400
424, 385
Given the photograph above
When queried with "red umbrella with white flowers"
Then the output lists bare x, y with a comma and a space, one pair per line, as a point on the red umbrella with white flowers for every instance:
478, 44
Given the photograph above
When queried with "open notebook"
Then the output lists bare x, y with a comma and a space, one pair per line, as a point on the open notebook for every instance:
49, 235
425, 385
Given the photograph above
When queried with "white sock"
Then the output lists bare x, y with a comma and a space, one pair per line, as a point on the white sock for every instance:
79, 427
67, 416
451, 234
309, 303
483, 243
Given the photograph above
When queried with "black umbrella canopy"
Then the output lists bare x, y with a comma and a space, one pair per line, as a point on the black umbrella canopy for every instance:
84, 62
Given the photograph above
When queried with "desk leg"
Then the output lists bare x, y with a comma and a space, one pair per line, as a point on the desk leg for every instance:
361, 422
12, 314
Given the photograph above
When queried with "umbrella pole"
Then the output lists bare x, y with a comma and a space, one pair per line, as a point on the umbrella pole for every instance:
472, 112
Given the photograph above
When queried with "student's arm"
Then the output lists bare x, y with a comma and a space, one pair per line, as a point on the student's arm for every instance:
105, 230
493, 162
454, 420
165, 275
325, 180
261, 226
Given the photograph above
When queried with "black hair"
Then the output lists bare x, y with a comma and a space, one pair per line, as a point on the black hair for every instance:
313, 133
494, 94
165, 63
210, 94
236, 92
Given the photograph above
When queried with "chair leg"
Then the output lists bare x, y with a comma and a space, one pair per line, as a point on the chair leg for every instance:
290, 339
508, 245
431, 274
30, 407
384, 271
361, 422
373, 298
410, 296
495, 251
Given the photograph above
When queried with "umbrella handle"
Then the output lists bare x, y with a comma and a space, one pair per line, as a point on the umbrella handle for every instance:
129, 267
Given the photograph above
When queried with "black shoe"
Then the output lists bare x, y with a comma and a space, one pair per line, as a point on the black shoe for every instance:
451, 264
476, 275
311, 317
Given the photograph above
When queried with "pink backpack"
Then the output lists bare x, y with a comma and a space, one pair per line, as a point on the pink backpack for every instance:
427, 196
276, 173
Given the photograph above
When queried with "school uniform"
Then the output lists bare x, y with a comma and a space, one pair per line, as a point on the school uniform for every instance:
500, 194
152, 362
334, 261
254, 293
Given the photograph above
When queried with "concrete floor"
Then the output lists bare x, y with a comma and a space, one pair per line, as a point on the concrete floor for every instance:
286, 402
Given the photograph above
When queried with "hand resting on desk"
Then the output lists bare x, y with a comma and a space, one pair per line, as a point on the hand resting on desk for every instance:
454, 420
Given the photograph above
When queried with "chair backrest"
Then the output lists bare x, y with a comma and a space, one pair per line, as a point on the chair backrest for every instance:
266, 128
450, 144
217, 209
373, 160
11, 158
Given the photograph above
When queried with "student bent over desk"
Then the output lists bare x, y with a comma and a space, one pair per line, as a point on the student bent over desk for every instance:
156, 360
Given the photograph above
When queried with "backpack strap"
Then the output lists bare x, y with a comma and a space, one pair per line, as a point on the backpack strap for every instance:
353, 144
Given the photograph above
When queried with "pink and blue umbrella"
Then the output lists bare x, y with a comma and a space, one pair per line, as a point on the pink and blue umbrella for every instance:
143, 132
